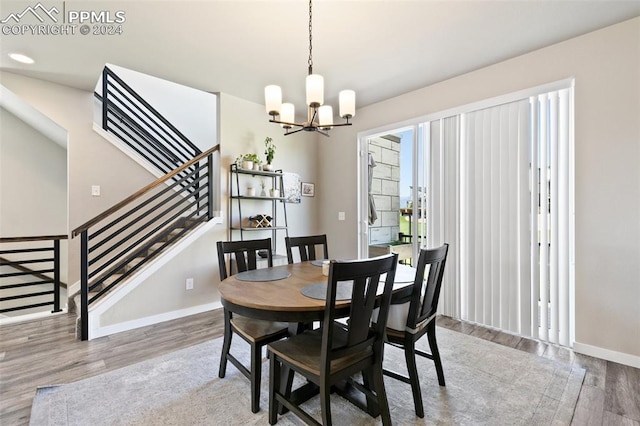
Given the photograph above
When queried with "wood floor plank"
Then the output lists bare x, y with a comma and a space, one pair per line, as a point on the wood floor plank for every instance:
622, 390
507, 339
590, 407
596, 370
532, 346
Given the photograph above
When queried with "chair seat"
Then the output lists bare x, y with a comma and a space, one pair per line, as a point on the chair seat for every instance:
254, 330
303, 351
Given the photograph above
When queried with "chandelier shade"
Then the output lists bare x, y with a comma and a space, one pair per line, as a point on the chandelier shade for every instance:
319, 116
273, 99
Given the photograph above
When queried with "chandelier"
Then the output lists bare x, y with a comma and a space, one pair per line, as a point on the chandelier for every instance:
319, 116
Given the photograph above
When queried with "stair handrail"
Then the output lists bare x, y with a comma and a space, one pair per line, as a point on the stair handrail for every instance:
141, 192
109, 72
142, 241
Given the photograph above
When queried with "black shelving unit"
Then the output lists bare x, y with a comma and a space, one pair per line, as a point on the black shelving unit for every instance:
239, 225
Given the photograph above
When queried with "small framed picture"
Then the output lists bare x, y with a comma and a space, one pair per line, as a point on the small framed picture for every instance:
308, 189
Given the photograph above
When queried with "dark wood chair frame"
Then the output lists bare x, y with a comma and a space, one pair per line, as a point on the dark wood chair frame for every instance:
306, 246
348, 348
257, 333
421, 320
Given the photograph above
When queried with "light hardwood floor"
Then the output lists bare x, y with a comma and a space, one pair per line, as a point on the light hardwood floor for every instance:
45, 352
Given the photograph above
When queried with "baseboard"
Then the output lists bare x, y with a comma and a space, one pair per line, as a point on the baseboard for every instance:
607, 354
37, 316
97, 331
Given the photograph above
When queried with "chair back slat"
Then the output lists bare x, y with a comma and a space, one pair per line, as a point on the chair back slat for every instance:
245, 254
306, 247
365, 277
426, 290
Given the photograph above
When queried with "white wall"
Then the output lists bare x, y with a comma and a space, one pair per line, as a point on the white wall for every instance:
33, 181
606, 67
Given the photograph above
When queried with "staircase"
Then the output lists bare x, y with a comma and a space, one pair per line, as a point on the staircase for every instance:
118, 244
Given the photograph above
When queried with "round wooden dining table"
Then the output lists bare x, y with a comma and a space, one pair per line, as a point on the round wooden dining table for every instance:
283, 300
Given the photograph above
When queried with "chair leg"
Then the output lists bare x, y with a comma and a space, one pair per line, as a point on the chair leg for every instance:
433, 345
256, 373
368, 382
226, 345
325, 402
274, 385
383, 403
410, 357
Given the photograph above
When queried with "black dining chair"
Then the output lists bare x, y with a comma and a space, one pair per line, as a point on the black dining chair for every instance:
337, 351
307, 247
257, 333
420, 319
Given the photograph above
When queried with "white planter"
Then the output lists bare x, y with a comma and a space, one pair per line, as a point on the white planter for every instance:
251, 192
247, 165
273, 193
267, 167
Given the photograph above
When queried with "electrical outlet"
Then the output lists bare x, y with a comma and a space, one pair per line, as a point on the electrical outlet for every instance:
95, 190
189, 283
341, 215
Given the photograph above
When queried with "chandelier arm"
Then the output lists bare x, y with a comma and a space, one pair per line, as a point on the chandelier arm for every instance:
287, 123
313, 117
287, 133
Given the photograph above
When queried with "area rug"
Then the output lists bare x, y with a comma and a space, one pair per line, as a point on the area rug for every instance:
486, 383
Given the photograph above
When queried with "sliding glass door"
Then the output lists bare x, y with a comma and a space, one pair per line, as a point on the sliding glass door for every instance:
495, 181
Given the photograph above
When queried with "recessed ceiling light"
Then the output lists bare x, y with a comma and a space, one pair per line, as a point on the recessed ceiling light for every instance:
18, 57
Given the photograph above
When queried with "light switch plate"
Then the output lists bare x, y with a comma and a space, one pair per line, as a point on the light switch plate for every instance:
95, 190
341, 216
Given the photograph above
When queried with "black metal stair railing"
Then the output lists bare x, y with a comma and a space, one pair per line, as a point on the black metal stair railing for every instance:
130, 118
118, 242
30, 272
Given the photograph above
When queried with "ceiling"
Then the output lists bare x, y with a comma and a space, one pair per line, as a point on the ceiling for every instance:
380, 49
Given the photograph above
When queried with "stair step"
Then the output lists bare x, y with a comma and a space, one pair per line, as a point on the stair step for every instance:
135, 262
174, 233
155, 247
111, 279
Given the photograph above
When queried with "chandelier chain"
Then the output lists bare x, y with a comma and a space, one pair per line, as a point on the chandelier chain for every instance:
310, 41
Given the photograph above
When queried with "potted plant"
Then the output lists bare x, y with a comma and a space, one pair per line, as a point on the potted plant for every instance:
269, 151
249, 160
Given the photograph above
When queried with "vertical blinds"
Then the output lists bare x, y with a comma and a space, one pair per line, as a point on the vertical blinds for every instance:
501, 192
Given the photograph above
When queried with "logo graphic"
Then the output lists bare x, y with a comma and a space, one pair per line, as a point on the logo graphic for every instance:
33, 10
42, 21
